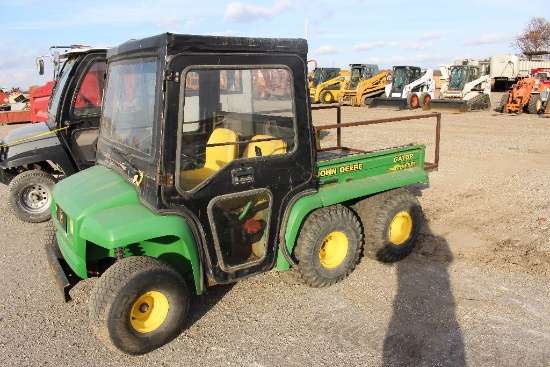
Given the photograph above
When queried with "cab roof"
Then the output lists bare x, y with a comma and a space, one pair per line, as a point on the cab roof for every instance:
80, 49
172, 44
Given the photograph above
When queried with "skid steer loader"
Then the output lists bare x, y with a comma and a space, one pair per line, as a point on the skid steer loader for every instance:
365, 83
466, 90
325, 84
410, 89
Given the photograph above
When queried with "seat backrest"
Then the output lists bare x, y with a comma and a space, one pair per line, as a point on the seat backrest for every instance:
219, 155
265, 147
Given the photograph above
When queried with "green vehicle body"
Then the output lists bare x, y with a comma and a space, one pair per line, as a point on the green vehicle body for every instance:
151, 198
110, 214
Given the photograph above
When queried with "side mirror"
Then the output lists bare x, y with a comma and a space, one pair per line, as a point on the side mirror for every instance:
40, 63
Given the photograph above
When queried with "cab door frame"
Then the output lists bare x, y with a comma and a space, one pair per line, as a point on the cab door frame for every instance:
282, 177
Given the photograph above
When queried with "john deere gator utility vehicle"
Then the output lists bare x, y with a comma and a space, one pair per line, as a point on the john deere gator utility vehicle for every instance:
205, 185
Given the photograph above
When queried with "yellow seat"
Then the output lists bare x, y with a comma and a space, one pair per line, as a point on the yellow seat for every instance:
266, 147
216, 157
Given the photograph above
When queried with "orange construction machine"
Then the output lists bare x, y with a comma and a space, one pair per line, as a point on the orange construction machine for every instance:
524, 96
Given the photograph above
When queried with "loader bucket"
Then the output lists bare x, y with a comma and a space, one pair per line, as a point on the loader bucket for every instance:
385, 102
446, 105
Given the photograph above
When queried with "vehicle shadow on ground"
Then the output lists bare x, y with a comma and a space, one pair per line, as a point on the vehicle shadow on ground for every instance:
201, 305
424, 330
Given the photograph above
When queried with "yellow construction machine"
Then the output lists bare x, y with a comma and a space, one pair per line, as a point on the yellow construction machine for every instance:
324, 85
365, 82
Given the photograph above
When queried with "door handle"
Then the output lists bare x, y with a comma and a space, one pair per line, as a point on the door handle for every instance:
242, 175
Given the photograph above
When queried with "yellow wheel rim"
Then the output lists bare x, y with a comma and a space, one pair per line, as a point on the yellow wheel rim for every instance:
334, 250
400, 228
149, 312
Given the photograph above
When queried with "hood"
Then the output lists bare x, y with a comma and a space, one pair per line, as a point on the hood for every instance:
26, 132
27, 140
94, 189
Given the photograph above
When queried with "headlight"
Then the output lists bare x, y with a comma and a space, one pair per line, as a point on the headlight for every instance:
70, 227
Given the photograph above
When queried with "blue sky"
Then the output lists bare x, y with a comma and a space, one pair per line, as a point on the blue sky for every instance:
422, 33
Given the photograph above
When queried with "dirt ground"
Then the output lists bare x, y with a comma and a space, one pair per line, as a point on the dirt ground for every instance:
474, 292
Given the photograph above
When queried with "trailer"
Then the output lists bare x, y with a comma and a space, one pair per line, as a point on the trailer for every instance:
506, 69
34, 109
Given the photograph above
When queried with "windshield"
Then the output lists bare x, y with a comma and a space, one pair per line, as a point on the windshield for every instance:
322, 75
55, 100
129, 109
400, 79
355, 77
402, 76
457, 78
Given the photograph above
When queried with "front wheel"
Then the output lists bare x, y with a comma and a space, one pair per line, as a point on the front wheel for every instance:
392, 221
534, 105
413, 101
139, 304
504, 101
326, 97
328, 246
30, 196
424, 99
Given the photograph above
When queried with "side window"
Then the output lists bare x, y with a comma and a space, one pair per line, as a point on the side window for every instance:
90, 92
129, 110
233, 114
241, 227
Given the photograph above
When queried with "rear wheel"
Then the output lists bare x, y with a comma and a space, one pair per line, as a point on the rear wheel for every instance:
30, 195
412, 101
328, 246
326, 97
391, 221
534, 105
139, 304
424, 99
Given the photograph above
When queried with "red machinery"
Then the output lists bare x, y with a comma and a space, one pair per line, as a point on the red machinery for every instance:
38, 106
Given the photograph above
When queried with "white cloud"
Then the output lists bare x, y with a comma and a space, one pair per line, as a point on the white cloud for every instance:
486, 39
372, 46
241, 13
170, 23
419, 46
192, 24
431, 35
326, 50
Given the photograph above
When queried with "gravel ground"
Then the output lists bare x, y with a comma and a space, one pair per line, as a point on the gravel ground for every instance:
474, 292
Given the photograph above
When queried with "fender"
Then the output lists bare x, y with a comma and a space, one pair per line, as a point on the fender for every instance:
34, 150
350, 192
139, 231
108, 220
